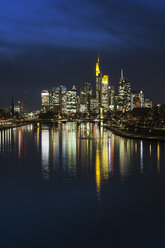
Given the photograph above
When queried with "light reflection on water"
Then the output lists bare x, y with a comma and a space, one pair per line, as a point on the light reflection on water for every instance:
82, 183
84, 152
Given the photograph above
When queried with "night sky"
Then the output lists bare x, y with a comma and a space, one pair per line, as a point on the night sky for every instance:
45, 43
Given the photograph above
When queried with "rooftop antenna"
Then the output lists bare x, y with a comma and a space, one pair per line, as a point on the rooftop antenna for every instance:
122, 73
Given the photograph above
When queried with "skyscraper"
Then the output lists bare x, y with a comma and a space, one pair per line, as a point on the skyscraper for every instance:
98, 82
105, 92
102, 88
112, 98
52, 99
124, 100
137, 99
63, 99
72, 100
85, 96
44, 101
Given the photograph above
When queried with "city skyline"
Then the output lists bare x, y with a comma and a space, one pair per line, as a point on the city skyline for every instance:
29, 105
103, 98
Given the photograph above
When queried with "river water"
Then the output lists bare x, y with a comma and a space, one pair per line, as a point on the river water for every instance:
80, 186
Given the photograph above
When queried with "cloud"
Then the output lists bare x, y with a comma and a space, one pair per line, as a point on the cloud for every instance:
88, 24
45, 42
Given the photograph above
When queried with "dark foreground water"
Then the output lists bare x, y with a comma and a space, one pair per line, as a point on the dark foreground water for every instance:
70, 186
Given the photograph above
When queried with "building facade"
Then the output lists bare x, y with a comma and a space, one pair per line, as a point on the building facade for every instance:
137, 99
124, 100
44, 101
102, 88
85, 96
112, 98
148, 103
72, 101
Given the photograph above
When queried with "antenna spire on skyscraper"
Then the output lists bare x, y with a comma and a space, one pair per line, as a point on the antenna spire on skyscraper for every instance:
98, 59
122, 73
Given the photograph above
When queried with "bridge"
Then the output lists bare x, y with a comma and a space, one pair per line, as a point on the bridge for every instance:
11, 123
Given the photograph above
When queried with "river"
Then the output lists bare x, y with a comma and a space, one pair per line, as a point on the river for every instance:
80, 186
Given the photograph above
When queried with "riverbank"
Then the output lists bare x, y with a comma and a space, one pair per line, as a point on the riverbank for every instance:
128, 134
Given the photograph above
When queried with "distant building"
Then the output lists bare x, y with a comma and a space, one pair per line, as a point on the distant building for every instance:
148, 103
12, 106
44, 101
63, 99
137, 99
105, 93
78, 104
94, 105
52, 97
112, 98
72, 100
83, 108
59, 99
17, 109
102, 88
85, 96
124, 101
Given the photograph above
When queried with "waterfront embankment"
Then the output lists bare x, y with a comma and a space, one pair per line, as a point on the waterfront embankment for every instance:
138, 132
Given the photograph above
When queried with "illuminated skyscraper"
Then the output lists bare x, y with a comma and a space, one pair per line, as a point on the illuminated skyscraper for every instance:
63, 99
105, 93
94, 105
85, 96
44, 101
112, 98
102, 88
137, 99
124, 100
57, 99
52, 98
98, 82
72, 100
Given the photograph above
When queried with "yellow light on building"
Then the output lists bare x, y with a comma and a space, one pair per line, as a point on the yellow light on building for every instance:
97, 67
105, 79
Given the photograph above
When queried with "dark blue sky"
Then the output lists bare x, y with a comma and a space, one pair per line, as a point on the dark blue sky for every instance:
44, 43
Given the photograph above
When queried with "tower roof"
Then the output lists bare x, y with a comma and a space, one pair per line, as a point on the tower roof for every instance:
122, 73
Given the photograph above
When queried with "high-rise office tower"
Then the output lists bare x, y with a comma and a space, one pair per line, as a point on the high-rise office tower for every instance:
72, 100
52, 99
124, 100
137, 99
112, 98
85, 96
44, 101
58, 99
105, 92
63, 99
98, 81
94, 105
102, 88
